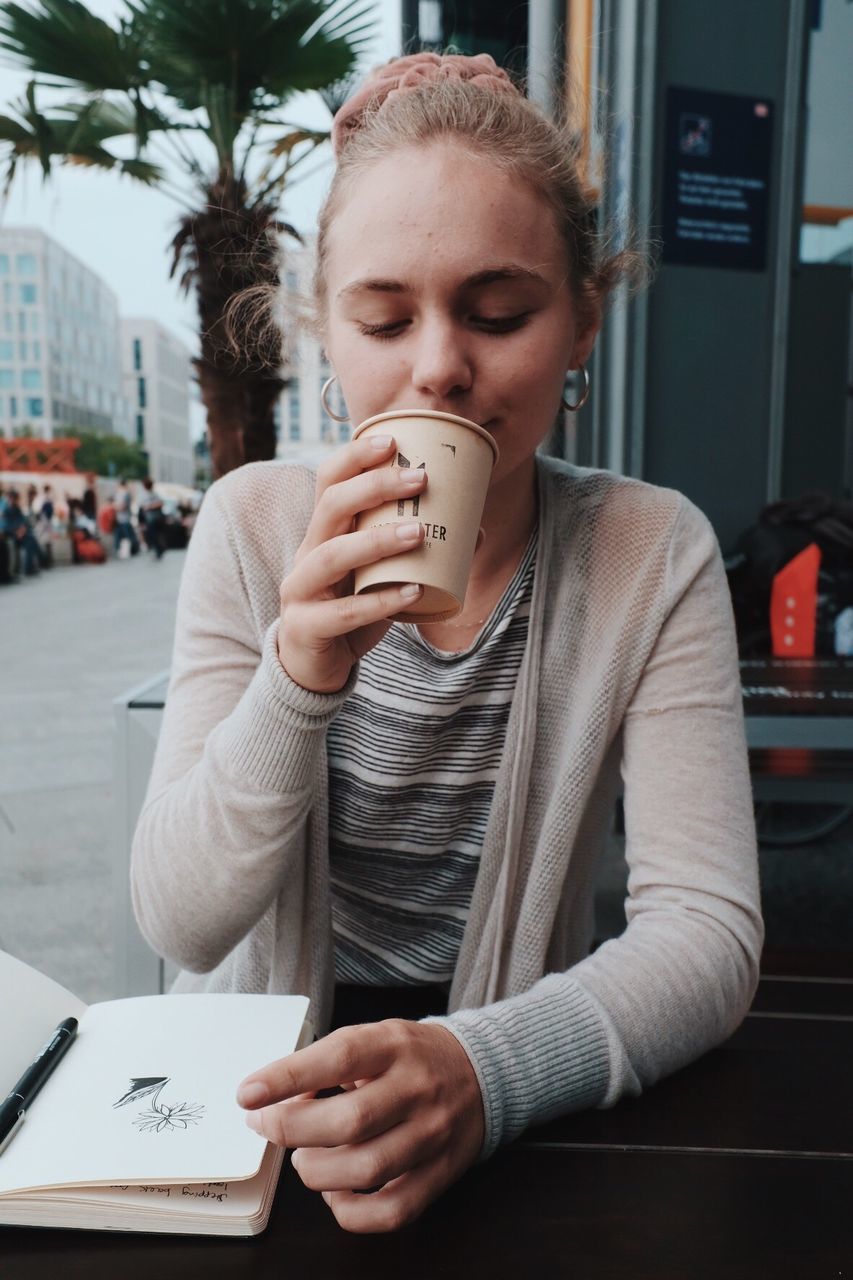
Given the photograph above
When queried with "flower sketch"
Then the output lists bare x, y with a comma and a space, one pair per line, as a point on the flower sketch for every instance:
159, 1118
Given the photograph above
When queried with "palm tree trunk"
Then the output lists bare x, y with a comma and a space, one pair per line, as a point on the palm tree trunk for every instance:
240, 415
225, 248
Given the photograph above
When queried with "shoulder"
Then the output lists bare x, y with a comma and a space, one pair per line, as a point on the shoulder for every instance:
255, 519
250, 525
626, 540
264, 500
644, 514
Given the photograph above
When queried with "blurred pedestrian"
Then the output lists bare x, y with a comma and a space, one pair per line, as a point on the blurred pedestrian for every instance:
19, 530
90, 497
6, 549
47, 510
41, 514
153, 518
86, 546
124, 530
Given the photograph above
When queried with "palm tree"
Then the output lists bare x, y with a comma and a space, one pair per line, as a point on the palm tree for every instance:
205, 81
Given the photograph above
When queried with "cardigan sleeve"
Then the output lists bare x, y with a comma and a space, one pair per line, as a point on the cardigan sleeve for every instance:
231, 785
681, 977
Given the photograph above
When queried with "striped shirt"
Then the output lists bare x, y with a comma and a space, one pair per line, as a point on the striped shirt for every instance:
413, 757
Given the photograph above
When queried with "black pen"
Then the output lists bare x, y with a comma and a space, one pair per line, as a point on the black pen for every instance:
13, 1109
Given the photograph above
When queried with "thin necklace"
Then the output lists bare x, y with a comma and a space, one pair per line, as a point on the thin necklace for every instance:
461, 626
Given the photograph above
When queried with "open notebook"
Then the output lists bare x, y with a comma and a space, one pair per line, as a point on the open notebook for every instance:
138, 1128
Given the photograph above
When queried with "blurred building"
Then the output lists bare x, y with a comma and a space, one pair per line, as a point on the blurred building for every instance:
156, 372
305, 429
59, 359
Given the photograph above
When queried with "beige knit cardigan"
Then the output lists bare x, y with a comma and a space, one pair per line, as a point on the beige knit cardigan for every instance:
630, 665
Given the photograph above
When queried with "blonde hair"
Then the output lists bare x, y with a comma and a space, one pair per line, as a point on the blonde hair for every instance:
505, 129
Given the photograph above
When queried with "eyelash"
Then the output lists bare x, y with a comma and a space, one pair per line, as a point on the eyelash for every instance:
500, 325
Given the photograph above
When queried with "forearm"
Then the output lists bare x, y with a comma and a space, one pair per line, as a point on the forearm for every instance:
679, 979
642, 1006
217, 840
536, 1055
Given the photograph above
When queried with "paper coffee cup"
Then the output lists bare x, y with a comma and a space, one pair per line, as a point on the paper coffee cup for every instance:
458, 457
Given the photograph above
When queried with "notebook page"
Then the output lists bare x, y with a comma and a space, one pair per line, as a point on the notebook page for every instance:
31, 1007
147, 1093
222, 1199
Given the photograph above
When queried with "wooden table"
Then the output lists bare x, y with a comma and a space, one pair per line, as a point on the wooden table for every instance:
738, 1168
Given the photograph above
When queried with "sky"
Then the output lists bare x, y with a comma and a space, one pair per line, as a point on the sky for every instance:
122, 229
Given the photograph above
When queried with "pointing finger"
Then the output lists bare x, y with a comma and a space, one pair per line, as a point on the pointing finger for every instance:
350, 1053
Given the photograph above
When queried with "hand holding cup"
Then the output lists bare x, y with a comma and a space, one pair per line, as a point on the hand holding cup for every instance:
459, 456
324, 628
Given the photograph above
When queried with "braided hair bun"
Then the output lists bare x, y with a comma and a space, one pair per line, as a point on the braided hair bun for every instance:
412, 72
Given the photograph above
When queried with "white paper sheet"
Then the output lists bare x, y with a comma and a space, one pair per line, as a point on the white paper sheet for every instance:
221, 1199
31, 1007
187, 1129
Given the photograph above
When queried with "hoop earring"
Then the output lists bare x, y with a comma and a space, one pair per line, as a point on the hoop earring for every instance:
336, 417
573, 408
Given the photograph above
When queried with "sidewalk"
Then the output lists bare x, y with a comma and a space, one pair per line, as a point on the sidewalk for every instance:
71, 640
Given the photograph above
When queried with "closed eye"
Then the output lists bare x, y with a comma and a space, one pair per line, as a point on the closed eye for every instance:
389, 330
489, 324
501, 324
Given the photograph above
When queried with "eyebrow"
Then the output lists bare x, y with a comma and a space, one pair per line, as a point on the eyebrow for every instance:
492, 275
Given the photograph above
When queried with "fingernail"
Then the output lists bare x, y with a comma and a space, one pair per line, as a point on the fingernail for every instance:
379, 442
327, 1195
294, 1158
410, 590
411, 475
253, 1093
408, 529
253, 1120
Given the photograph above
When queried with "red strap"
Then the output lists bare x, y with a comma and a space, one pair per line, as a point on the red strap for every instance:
793, 605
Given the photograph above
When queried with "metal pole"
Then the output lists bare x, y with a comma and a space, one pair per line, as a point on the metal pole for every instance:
545, 53
643, 199
789, 202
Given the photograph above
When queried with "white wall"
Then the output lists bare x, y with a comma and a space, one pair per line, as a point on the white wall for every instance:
829, 136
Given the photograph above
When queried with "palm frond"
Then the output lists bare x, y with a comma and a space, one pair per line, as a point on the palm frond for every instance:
223, 122
336, 94
42, 133
74, 135
62, 39
261, 51
12, 130
285, 144
328, 50
151, 175
350, 20
99, 118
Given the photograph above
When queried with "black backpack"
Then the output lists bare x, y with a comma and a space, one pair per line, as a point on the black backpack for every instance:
785, 529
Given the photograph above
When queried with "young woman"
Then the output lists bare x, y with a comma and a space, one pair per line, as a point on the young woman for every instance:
340, 804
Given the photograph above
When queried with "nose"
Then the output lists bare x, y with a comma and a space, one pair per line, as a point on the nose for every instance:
442, 368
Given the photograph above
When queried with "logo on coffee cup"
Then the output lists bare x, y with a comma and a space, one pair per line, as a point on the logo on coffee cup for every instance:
403, 461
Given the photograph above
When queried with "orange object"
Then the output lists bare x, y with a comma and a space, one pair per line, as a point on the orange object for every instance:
825, 215
87, 548
30, 454
793, 605
107, 518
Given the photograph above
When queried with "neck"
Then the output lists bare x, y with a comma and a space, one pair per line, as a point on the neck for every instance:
508, 520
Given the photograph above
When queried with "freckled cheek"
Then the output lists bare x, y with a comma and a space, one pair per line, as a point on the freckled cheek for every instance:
529, 374
370, 382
